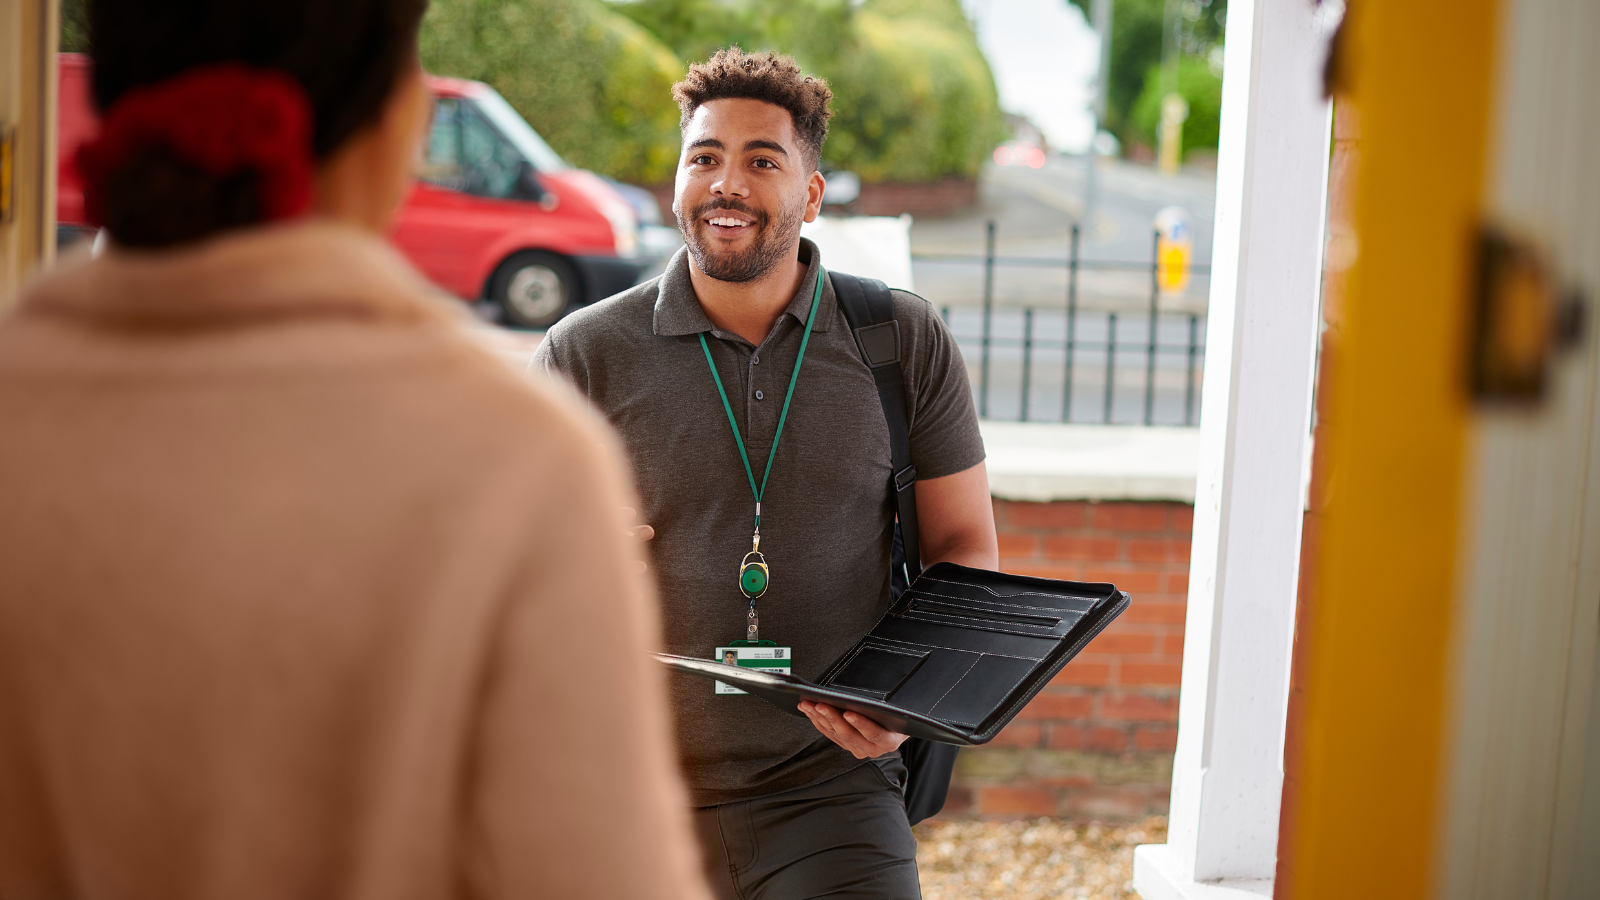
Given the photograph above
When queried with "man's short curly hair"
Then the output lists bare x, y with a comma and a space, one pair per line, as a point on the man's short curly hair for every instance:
733, 74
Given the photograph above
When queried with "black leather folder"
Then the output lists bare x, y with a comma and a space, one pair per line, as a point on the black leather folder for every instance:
954, 660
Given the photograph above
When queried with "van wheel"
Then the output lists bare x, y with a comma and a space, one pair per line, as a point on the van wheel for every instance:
534, 288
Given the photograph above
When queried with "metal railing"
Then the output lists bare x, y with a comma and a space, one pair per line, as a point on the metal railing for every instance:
1083, 355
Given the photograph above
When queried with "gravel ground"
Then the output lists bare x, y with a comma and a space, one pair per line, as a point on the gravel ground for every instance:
1031, 860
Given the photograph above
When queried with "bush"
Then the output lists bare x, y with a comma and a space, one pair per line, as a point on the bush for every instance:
1200, 88
918, 103
1137, 32
913, 95
593, 83
74, 26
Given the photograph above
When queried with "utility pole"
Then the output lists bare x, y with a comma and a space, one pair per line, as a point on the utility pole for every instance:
1169, 135
1100, 14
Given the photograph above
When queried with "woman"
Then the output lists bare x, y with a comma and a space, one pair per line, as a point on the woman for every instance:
299, 590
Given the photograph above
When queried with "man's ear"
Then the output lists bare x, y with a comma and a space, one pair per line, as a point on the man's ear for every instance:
815, 185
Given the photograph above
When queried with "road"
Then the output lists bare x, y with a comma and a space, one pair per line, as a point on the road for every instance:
1034, 210
1028, 364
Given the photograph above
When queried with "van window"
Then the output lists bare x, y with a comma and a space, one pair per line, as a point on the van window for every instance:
489, 162
441, 157
465, 153
517, 130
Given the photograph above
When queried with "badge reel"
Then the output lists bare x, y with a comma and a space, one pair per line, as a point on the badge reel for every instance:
752, 652
753, 574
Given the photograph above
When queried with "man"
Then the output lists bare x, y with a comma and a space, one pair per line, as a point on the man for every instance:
703, 371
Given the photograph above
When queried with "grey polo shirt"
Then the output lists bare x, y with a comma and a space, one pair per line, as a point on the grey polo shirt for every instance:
826, 516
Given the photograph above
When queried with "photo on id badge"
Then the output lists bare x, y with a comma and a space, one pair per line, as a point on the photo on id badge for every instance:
766, 658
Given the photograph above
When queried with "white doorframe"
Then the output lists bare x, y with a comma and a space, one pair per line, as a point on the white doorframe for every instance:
1255, 427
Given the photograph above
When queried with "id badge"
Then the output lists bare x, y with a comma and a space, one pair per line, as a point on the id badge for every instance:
767, 658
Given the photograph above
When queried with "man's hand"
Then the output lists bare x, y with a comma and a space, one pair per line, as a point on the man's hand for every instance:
864, 738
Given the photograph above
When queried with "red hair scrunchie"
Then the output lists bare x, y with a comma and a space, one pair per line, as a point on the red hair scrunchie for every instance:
223, 119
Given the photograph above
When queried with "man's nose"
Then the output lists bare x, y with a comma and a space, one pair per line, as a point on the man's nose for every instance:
731, 182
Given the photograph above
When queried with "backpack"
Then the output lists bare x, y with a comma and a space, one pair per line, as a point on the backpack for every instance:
869, 309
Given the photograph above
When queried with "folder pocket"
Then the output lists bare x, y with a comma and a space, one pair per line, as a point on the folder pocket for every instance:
971, 613
982, 690
878, 670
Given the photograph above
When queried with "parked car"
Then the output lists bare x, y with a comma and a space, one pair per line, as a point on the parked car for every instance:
657, 241
1019, 153
496, 214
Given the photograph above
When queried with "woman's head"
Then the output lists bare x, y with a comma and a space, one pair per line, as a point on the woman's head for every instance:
353, 61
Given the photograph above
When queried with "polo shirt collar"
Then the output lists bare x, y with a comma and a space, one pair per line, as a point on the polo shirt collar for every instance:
678, 311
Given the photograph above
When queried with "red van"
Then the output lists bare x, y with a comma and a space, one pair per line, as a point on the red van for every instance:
496, 214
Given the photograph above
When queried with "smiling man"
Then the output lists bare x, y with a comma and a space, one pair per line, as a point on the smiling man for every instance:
763, 460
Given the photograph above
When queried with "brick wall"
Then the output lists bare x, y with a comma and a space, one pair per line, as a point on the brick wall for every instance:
1096, 743
935, 198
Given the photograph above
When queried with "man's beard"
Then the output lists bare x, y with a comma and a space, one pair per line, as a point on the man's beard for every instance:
774, 241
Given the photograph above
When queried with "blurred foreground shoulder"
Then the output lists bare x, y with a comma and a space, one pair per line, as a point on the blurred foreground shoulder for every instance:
573, 724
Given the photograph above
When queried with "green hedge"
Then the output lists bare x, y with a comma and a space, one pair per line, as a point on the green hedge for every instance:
914, 97
74, 26
1138, 29
916, 102
1200, 88
593, 83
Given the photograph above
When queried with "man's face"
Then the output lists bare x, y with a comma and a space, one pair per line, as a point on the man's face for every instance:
743, 189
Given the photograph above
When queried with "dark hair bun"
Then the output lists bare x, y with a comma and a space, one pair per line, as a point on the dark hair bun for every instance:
156, 200
347, 56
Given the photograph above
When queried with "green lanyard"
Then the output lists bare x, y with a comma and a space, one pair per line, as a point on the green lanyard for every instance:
753, 573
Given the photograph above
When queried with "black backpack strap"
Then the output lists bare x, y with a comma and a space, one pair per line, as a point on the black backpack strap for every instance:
869, 308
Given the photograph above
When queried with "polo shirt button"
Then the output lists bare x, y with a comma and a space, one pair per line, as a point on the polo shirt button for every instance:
755, 360
760, 396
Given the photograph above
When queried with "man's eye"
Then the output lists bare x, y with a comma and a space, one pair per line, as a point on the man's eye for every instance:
766, 164
703, 160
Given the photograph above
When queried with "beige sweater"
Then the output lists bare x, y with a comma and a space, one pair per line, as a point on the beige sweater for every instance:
304, 595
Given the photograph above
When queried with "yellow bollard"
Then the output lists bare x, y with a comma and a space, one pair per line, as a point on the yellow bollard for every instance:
1174, 249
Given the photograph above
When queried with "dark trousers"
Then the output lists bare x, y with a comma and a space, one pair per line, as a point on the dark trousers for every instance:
845, 839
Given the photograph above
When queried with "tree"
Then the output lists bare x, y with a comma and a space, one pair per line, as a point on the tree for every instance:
594, 84
913, 96
1136, 46
1200, 88
74, 26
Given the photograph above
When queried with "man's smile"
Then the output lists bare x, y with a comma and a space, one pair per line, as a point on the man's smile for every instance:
726, 225
735, 241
